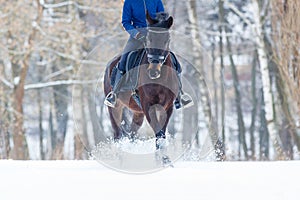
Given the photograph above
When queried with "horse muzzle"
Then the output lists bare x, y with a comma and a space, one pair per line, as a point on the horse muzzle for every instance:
154, 71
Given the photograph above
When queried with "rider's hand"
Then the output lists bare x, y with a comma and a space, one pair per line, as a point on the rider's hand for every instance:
140, 37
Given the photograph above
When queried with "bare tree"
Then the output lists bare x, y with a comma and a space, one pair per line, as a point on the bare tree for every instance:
203, 87
254, 104
221, 49
21, 33
238, 99
4, 119
266, 82
285, 23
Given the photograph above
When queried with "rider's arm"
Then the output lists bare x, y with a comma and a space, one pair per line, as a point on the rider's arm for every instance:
126, 20
160, 6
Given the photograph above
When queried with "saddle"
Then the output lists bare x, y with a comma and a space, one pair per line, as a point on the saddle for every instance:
129, 80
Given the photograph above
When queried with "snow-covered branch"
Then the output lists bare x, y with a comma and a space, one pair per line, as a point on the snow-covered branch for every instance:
236, 11
58, 20
242, 16
58, 53
50, 76
77, 5
67, 56
39, 28
56, 83
216, 33
6, 82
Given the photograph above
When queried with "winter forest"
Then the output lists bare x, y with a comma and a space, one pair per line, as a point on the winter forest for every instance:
248, 51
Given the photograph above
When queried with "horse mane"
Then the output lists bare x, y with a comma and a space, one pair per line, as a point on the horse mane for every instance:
161, 16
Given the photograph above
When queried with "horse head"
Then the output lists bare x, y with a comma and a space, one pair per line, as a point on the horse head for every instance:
157, 43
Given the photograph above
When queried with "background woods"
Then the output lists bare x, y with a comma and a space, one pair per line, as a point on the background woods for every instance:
247, 52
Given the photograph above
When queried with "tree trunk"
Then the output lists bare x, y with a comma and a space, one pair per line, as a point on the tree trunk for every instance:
266, 83
194, 31
288, 130
263, 131
94, 118
286, 52
241, 124
51, 134
3, 119
39, 99
20, 150
221, 30
81, 137
254, 107
215, 86
203, 88
62, 116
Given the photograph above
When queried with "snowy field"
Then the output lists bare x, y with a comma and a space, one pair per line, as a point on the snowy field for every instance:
88, 180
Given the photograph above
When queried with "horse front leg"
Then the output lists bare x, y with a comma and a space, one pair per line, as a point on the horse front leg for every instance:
136, 123
158, 119
161, 143
161, 134
115, 115
151, 113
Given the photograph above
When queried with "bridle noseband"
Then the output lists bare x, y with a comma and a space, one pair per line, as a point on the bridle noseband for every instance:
161, 59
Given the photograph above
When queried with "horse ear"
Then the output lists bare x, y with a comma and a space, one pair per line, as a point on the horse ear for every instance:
170, 22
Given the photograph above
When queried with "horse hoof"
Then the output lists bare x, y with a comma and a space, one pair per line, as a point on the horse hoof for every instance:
161, 143
167, 162
132, 137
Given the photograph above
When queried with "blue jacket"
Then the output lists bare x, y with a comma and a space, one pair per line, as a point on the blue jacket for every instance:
134, 16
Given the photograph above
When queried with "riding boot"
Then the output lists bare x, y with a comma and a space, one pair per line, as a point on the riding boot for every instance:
111, 98
183, 100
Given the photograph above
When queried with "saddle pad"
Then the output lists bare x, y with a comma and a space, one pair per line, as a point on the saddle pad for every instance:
129, 80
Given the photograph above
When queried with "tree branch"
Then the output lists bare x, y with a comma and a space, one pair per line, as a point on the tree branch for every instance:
6, 82
56, 83
63, 55
237, 12
77, 5
50, 76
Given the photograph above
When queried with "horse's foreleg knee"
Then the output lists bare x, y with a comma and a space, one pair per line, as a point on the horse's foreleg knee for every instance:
137, 122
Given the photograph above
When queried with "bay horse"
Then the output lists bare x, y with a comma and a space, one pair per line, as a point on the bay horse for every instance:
157, 86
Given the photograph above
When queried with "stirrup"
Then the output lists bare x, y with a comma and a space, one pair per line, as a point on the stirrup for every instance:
186, 100
111, 99
183, 101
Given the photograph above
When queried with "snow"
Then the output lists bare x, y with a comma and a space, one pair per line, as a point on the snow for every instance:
89, 180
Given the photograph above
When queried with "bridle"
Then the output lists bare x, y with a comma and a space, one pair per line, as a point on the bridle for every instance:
157, 58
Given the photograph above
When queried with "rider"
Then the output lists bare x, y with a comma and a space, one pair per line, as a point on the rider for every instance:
134, 22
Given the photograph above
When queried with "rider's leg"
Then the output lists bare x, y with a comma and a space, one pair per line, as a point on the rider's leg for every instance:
183, 100
111, 98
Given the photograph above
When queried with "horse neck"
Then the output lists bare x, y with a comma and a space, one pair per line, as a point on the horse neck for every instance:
169, 66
